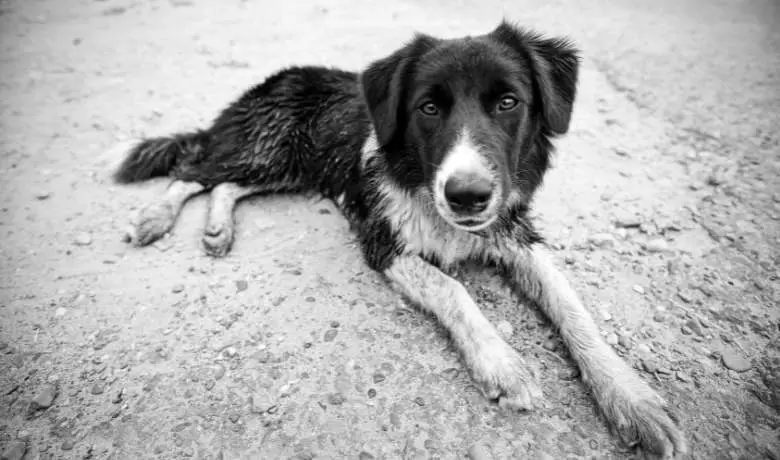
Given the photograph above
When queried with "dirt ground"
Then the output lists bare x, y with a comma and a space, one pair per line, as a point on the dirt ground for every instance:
663, 210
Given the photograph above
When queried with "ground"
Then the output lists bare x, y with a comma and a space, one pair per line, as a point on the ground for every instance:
663, 210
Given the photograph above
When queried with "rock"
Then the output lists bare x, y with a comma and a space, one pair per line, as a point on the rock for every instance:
657, 245
450, 374
261, 403
612, 339
334, 324
15, 451
97, 389
177, 288
479, 451
82, 239
45, 397
365, 456
628, 222
638, 289
419, 401
684, 377
68, 444
330, 335
550, 344
505, 329
735, 362
234, 418
605, 315
336, 399
643, 349
602, 240
43, 195
241, 285
219, 371
378, 377
230, 352
371, 393
695, 327
624, 341
569, 260
649, 366
60, 312
118, 396
686, 330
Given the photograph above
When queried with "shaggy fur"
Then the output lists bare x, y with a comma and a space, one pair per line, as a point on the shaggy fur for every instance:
433, 154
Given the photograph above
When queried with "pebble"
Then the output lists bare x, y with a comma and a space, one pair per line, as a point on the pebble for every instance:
479, 451
628, 222
371, 393
118, 396
657, 245
643, 349
15, 451
649, 366
450, 374
624, 341
638, 289
336, 399
683, 377
605, 315
261, 404
82, 239
43, 195
505, 329
97, 389
330, 335
334, 324
60, 312
234, 418
602, 240
68, 444
686, 330
219, 371
735, 362
241, 285
231, 352
379, 377
419, 401
694, 326
177, 288
44, 398
550, 344
365, 456
612, 339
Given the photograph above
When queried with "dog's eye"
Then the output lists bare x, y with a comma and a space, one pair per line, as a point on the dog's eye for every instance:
429, 109
507, 103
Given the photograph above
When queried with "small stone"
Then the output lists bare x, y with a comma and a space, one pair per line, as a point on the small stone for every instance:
43, 195
378, 377
241, 285
371, 393
569, 259
419, 401
643, 349
45, 397
261, 404
219, 372
686, 330
605, 315
602, 240
60, 312
118, 396
479, 451
683, 377
628, 222
550, 344
638, 289
97, 389
505, 329
695, 327
649, 366
657, 245
569, 373
234, 418
177, 288
735, 362
624, 341
163, 244
230, 352
82, 239
330, 335
450, 374
365, 456
15, 450
336, 399
68, 444
612, 339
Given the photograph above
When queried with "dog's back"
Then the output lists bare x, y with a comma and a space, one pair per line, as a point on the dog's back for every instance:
287, 134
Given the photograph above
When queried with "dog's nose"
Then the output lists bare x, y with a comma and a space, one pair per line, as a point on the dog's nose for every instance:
469, 193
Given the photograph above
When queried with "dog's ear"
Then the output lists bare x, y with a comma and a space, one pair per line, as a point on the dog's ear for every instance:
555, 64
384, 83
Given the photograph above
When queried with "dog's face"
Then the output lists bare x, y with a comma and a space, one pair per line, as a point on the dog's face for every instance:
463, 117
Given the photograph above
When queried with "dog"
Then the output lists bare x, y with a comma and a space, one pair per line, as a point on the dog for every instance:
433, 154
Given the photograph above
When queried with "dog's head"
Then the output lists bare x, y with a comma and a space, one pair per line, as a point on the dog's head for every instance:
471, 118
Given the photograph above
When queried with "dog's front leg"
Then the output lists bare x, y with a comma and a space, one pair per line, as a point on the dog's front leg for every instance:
631, 406
494, 364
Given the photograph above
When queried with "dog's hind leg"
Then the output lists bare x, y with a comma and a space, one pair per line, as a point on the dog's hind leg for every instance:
220, 227
157, 218
633, 409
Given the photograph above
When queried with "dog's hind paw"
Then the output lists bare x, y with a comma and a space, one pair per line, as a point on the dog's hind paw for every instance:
506, 378
217, 240
150, 224
641, 417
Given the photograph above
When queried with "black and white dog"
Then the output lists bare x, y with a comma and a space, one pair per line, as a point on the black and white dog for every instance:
433, 154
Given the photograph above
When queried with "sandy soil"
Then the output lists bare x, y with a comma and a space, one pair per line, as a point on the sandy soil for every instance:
663, 209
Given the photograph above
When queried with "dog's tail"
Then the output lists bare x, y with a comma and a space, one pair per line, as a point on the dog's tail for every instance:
157, 156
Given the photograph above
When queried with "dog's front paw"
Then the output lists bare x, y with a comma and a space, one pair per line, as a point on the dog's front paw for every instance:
640, 416
150, 224
218, 239
504, 376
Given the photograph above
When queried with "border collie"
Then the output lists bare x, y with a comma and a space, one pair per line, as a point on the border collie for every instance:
433, 154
